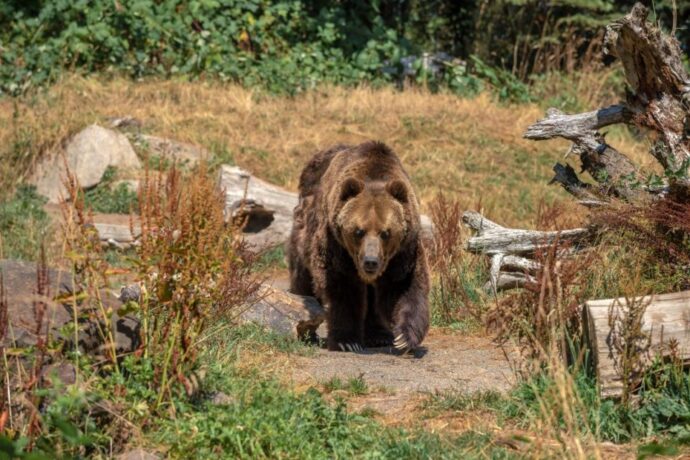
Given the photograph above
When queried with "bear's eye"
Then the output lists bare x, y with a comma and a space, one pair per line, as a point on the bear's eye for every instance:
385, 235
359, 233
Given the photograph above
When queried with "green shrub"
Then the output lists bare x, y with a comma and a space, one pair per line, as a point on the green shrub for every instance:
279, 45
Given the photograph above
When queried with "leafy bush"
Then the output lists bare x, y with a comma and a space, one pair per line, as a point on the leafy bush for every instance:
290, 46
280, 45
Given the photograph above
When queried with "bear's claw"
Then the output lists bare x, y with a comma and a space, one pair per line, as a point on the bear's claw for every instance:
400, 343
352, 347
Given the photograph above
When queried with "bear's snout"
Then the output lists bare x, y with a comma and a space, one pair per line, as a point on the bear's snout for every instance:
371, 256
371, 264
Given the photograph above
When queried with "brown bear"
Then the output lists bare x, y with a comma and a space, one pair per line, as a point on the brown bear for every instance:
356, 246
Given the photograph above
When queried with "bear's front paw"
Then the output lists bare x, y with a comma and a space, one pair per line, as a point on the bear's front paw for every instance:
406, 338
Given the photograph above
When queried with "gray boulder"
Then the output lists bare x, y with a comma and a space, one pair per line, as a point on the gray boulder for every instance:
24, 330
88, 154
284, 313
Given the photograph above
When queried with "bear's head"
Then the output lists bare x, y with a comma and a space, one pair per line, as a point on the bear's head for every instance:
370, 223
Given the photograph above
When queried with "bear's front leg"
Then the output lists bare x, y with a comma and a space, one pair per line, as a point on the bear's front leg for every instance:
346, 313
411, 310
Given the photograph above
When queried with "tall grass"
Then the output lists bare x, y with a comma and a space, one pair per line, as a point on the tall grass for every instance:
456, 295
193, 269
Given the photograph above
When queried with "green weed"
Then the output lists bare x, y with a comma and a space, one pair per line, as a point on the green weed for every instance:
273, 258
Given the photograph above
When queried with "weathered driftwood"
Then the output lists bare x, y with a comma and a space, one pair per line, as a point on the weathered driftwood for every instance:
653, 66
265, 209
664, 326
658, 101
511, 248
493, 239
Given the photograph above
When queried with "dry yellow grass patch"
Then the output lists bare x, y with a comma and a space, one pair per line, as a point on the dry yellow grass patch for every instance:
470, 148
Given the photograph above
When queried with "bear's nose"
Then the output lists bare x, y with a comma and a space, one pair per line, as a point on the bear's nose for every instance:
371, 264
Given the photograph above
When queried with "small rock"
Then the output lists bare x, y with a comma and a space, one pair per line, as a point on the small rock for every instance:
63, 372
174, 150
138, 454
221, 399
88, 155
126, 122
130, 293
285, 313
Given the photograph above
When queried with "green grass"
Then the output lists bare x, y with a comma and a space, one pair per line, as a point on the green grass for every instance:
354, 386
23, 224
273, 258
266, 419
107, 197
455, 400
662, 410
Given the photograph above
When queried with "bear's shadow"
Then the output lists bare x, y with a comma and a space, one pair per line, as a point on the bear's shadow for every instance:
417, 353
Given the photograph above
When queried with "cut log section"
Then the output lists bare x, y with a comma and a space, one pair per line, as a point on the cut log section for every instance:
664, 326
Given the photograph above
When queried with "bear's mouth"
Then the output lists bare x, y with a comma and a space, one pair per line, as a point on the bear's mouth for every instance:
370, 275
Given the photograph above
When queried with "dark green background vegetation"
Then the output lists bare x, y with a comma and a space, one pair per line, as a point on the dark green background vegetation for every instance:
289, 46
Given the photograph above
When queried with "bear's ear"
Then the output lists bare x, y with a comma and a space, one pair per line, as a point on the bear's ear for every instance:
350, 188
398, 190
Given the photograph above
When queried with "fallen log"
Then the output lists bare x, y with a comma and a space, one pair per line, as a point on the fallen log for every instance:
510, 249
494, 239
664, 328
265, 209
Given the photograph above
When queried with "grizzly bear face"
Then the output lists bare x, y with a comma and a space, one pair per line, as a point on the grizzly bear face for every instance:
370, 224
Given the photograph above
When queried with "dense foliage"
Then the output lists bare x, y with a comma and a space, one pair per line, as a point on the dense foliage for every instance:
288, 46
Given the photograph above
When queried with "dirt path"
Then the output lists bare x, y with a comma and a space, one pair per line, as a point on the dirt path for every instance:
446, 362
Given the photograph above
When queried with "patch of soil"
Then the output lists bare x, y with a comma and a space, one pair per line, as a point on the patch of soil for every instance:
446, 362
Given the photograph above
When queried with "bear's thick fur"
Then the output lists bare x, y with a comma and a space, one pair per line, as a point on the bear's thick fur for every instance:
355, 246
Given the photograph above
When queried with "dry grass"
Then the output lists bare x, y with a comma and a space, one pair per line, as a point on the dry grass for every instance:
470, 149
